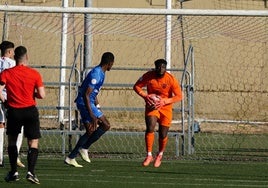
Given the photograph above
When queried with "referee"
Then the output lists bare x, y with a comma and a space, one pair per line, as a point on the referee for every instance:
23, 84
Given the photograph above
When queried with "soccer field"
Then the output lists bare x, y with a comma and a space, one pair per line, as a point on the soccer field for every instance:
101, 173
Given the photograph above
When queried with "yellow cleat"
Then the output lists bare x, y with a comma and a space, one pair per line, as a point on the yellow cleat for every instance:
19, 163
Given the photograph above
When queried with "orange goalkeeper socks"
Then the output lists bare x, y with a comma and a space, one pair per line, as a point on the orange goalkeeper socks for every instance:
149, 140
162, 144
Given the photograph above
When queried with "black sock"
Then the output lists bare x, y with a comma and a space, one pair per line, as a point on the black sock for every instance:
13, 155
32, 159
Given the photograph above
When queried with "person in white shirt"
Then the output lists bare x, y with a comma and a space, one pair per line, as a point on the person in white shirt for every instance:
6, 62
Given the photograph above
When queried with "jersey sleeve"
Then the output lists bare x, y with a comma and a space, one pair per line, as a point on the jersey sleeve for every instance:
93, 79
141, 82
176, 90
39, 80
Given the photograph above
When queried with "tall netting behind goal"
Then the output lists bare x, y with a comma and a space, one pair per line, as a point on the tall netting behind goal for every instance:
227, 90
230, 85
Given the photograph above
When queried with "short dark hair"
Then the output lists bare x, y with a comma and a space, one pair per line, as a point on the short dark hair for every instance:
160, 61
6, 45
106, 58
20, 51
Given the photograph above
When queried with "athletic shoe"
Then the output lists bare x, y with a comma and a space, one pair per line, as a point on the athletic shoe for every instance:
19, 163
158, 161
12, 177
72, 162
32, 178
84, 155
147, 160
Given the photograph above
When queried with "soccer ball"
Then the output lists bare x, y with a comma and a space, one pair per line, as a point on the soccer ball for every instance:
155, 98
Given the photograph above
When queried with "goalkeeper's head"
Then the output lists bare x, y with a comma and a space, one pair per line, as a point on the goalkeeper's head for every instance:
160, 67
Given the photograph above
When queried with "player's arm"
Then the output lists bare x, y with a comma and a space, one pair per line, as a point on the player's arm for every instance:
2, 86
138, 88
40, 89
176, 97
40, 92
97, 103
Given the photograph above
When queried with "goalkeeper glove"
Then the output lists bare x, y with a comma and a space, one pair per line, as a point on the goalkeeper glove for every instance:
160, 103
149, 100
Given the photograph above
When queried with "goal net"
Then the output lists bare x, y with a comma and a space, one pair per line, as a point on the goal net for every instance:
229, 76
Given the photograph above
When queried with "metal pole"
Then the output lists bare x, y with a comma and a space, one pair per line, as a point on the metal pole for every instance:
63, 61
168, 35
182, 32
5, 27
87, 38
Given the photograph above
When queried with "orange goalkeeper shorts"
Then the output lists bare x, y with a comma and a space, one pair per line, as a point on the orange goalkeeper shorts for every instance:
164, 115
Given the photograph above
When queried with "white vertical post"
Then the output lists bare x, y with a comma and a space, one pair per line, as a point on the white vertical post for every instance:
87, 38
63, 61
168, 35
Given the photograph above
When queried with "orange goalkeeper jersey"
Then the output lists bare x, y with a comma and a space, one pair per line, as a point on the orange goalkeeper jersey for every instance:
166, 86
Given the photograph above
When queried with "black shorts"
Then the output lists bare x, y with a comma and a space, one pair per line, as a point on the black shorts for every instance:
27, 117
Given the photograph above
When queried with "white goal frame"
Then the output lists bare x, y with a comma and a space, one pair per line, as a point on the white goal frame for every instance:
142, 11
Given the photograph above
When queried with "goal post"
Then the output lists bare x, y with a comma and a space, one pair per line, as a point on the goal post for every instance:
225, 90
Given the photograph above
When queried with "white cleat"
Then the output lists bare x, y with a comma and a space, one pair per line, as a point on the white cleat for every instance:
84, 155
72, 162
20, 164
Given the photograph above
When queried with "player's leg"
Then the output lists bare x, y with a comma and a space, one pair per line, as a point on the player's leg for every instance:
30, 120
12, 155
32, 157
19, 143
2, 130
163, 138
104, 125
13, 129
86, 119
162, 141
164, 124
149, 138
70, 160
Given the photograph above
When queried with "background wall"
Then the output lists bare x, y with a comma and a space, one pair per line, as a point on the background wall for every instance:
230, 53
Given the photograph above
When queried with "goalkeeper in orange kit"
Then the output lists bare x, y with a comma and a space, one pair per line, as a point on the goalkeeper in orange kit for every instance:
162, 91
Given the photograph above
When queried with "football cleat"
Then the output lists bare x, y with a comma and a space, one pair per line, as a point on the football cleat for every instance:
158, 161
12, 177
20, 164
147, 160
84, 155
32, 178
72, 162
